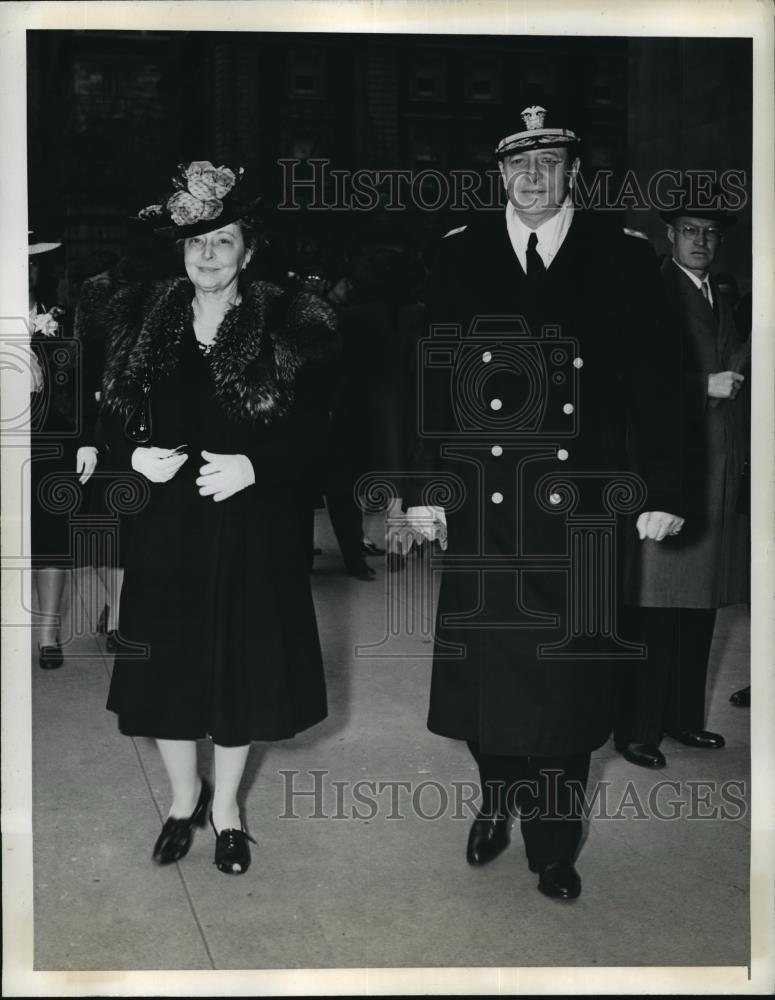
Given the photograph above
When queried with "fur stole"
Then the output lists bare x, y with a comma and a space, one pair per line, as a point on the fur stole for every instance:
260, 346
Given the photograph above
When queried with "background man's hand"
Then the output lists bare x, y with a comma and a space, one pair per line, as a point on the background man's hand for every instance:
656, 524
724, 385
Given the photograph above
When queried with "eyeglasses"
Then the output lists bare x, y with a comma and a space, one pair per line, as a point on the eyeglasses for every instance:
692, 232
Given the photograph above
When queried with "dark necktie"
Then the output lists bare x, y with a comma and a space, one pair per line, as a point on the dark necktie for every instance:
535, 266
706, 292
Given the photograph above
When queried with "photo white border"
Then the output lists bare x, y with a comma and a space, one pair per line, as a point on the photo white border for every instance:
654, 18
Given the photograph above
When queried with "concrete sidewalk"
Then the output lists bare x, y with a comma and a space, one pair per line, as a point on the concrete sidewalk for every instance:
352, 889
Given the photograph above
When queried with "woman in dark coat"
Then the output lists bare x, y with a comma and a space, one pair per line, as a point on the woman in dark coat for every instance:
63, 452
220, 383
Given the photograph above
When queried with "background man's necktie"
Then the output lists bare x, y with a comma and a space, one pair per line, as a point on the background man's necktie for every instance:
535, 266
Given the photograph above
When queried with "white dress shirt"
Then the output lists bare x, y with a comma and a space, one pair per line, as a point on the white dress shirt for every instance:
697, 282
551, 233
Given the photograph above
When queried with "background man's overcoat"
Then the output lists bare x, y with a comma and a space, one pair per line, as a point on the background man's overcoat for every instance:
706, 565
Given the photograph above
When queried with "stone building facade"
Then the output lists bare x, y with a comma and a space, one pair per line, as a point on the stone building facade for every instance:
109, 112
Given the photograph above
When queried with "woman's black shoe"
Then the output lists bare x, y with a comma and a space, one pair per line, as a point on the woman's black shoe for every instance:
102, 621
369, 548
742, 698
176, 834
232, 854
50, 657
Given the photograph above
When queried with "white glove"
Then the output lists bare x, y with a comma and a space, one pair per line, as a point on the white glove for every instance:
38, 381
157, 464
658, 524
427, 523
85, 462
224, 475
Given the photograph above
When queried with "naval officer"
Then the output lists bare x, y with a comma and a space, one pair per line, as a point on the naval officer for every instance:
544, 370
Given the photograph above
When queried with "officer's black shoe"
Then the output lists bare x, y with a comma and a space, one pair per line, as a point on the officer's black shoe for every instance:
643, 754
699, 738
488, 838
560, 881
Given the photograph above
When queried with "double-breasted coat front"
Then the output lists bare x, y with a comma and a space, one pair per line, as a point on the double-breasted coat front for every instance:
706, 565
216, 607
530, 393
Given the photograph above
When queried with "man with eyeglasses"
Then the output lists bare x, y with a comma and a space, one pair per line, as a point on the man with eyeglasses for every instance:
679, 585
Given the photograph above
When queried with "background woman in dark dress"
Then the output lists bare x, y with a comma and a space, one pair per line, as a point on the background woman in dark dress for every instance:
216, 593
99, 278
63, 451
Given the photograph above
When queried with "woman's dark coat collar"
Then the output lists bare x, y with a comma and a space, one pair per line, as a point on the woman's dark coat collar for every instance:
261, 344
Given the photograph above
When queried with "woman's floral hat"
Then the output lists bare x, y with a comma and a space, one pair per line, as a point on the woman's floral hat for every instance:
204, 198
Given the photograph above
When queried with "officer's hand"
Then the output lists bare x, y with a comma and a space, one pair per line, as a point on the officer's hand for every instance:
725, 385
656, 524
401, 538
421, 521
157, 464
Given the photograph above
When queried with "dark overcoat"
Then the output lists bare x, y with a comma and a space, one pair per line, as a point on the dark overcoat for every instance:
706, 565
369, 412
530, 394
216, 598
62, 417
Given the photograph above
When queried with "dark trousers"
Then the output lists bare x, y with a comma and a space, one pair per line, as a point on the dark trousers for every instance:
343, 510
666, 691
307, 517
347, 522
546, 792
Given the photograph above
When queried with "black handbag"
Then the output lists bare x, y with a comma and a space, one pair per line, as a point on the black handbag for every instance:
138, 427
